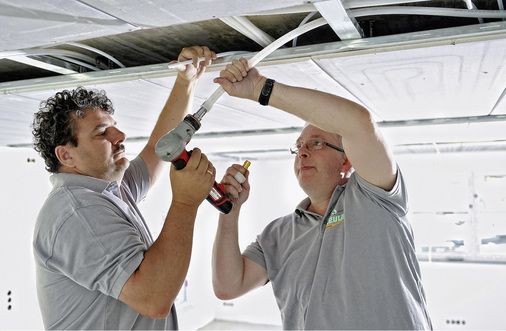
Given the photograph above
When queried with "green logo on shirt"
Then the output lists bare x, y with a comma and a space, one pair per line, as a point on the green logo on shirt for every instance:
334, 219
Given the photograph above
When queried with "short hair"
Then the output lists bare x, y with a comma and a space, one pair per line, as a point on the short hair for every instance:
55, 125
338, 136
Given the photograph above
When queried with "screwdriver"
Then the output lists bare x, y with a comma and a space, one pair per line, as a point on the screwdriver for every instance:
240, 177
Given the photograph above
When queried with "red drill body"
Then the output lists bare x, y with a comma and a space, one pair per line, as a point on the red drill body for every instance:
172, 148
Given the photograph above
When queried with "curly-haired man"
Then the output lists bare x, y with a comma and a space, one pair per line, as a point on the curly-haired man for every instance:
97, 265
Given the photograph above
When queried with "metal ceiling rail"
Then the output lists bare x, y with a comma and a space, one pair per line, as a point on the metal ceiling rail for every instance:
440, 37
374, 3
244, 26
430, 11
351, 4
338, 17
35, 57
45, 64
402, 149
441, 121
383, 124
59, 60
99, 52
45, 51
450, 147
367, 5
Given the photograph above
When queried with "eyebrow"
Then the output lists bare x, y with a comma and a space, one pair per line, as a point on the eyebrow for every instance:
103, 125
311, 137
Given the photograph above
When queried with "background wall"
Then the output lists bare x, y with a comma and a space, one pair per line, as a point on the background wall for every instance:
460, 295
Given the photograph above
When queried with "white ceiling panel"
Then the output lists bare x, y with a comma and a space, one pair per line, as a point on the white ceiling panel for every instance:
157, 13
407, 69
433, 82
49, 22
16, 116
137, 105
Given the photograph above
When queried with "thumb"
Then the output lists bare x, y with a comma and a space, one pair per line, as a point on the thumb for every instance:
225, 83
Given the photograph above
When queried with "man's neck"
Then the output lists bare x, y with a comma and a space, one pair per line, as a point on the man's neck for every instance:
318, 207
117, 178
319, 204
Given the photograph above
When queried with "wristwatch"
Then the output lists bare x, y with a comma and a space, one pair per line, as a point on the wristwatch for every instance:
266, 92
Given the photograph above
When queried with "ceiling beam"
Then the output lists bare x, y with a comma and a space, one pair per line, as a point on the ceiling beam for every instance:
440, 37
339, 18
244, 26
53, 65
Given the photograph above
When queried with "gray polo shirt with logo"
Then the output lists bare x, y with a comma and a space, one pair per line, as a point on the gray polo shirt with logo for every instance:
87, 243
354, 268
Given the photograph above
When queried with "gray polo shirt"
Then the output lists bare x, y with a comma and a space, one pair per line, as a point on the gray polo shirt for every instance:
87, 243
354, 268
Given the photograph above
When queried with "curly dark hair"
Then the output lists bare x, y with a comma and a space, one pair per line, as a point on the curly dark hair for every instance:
54, 123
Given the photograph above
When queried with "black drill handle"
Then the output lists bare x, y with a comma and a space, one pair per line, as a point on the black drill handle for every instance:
217, 196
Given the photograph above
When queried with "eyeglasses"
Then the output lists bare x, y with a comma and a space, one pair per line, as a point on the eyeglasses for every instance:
313, 145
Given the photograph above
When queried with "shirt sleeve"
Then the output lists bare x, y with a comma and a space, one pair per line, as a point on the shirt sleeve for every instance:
395, 200
137, 179
255, 253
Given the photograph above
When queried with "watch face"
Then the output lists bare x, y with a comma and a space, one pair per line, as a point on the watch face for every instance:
266, 92
267, 87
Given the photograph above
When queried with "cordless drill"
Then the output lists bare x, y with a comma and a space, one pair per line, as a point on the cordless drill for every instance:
172, 148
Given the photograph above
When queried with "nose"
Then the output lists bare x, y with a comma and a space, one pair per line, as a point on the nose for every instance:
303, 152
118, 137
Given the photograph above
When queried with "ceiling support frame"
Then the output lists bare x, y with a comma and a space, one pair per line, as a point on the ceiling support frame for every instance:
449, 36
244, 26
54, 65
340, 19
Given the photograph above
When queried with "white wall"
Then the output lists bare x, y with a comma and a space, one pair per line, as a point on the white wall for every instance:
456, 291
275, 193
24, 184
465, 296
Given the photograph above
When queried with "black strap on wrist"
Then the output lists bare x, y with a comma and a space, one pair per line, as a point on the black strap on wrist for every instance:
266, 92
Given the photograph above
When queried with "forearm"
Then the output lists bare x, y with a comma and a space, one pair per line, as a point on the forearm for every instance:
177, 106
227, 261
363, 143
327, 111
151, 290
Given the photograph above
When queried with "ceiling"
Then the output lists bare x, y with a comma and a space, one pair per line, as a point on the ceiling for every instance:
433, 73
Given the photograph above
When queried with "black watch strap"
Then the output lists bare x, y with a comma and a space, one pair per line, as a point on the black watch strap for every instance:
266, 92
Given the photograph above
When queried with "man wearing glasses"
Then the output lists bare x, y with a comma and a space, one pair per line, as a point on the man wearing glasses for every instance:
345, 258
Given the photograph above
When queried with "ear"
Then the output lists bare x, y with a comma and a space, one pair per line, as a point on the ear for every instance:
346, 165
63, 155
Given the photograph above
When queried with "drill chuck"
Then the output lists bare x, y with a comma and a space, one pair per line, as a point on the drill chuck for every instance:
173, 144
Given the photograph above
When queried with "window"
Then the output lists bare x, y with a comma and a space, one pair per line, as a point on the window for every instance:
457, 206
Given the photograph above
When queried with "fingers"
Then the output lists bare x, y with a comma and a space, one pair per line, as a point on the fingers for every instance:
235, 71
211, 170
239, 80
201, 164
196, 53
199, 56
239, 177
236, 179
192, 184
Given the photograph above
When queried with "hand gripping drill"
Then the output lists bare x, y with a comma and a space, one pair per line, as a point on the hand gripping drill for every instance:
172, 148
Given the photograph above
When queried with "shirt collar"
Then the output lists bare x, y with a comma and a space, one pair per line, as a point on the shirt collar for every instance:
91, 183
304, 204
